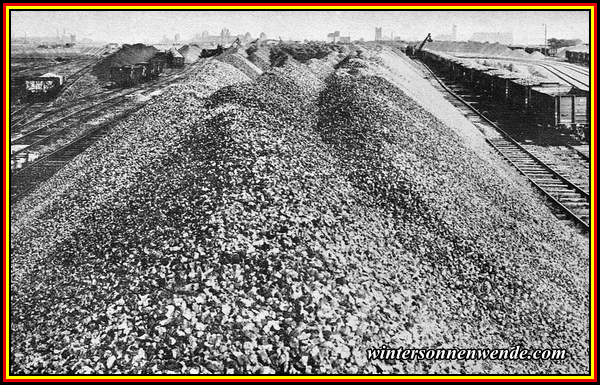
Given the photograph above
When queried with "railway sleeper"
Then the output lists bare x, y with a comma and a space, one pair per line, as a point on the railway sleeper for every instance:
515, 153
560, 189
572, 200
524, 160
583, 208
532, 170
568, 200
538, 178
561, 192
556, 183
537, 172
546, 180
502, 142
525, 165
511, 149
549, 184
519, 156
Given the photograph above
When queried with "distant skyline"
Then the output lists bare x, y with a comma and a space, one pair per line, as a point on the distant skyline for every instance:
145, 25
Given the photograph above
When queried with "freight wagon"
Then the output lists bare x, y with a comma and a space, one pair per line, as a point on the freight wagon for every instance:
578, 57
555, 105
175, 59
212, 52
43, 87
131, 75
159, 62
548, 104
546, 51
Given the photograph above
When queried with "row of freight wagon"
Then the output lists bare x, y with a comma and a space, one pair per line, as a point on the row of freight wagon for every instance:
131, 75
549, 104
47, 86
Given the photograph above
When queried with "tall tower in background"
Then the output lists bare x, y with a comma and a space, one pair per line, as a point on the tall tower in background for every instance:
378, 33
454, 34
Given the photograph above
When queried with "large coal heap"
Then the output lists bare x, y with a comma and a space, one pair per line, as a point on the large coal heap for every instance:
127, 55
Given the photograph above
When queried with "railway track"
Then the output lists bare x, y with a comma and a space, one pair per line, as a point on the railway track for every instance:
77, 76
571, 202
45, 68
566, 77
39, 107
574, 68
20, 109
543, 63
44, 114
583, 152
24, 180
34, 109
100, 102
34, 140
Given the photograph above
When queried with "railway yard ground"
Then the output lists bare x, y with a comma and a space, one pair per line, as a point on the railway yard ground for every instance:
282, 210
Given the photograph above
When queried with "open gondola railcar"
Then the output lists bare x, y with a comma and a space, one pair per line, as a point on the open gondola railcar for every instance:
43, 87
212, 52
549, 104
175, 59
128, 75
578, 57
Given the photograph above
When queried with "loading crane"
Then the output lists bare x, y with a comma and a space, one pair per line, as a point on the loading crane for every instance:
237, 42
413, 50
428, 39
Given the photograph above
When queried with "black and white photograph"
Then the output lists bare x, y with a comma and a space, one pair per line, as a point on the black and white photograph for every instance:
306, 191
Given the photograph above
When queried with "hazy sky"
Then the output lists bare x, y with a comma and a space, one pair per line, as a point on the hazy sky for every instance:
137, 26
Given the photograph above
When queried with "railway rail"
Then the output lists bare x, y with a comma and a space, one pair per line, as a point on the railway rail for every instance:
20, 109
45, 68
34, 139
584, 153
570, 201
566, 77
77, 76
39, 107
100, 101
24, 180
581, 70
43, 114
